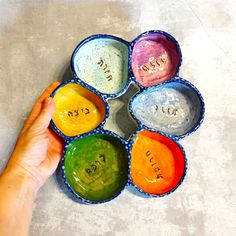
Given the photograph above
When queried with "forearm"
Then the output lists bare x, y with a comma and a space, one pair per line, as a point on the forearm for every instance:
34, 159
17, 194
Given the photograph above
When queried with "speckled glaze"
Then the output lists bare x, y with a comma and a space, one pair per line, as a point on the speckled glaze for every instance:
96, 166
155, 58
173, 108
103, 64
78, 110
137, 189
63, 169
170, 107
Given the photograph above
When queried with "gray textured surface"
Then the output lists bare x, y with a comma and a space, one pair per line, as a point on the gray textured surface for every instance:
36, 41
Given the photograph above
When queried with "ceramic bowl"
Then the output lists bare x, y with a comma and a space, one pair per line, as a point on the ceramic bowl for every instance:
98, 164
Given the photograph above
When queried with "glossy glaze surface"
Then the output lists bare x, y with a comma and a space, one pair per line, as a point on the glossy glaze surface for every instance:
157, 163
103, 64
173, 108
96, 166
78, 110
155, 59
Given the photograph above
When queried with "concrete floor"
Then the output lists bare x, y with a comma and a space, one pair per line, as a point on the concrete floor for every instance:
36, 42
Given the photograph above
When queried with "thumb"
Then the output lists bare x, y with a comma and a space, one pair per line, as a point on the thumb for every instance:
45, 116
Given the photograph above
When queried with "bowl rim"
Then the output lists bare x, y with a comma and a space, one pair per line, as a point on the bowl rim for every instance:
106, 106
175, 79
63, 171
160, 32
98, 36
131, 183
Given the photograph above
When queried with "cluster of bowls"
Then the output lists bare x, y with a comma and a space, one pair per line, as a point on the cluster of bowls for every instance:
97, 164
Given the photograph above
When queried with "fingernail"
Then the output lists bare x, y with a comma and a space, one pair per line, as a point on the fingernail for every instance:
48, 101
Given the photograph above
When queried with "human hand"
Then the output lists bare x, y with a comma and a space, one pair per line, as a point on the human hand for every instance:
38, 149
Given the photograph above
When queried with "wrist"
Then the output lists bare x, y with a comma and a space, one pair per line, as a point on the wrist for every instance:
16, 202
21, 183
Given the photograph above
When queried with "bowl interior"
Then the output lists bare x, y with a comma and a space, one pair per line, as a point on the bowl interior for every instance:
157, 163
155, 59
103, 64
96, 167
78, 110
173, 108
